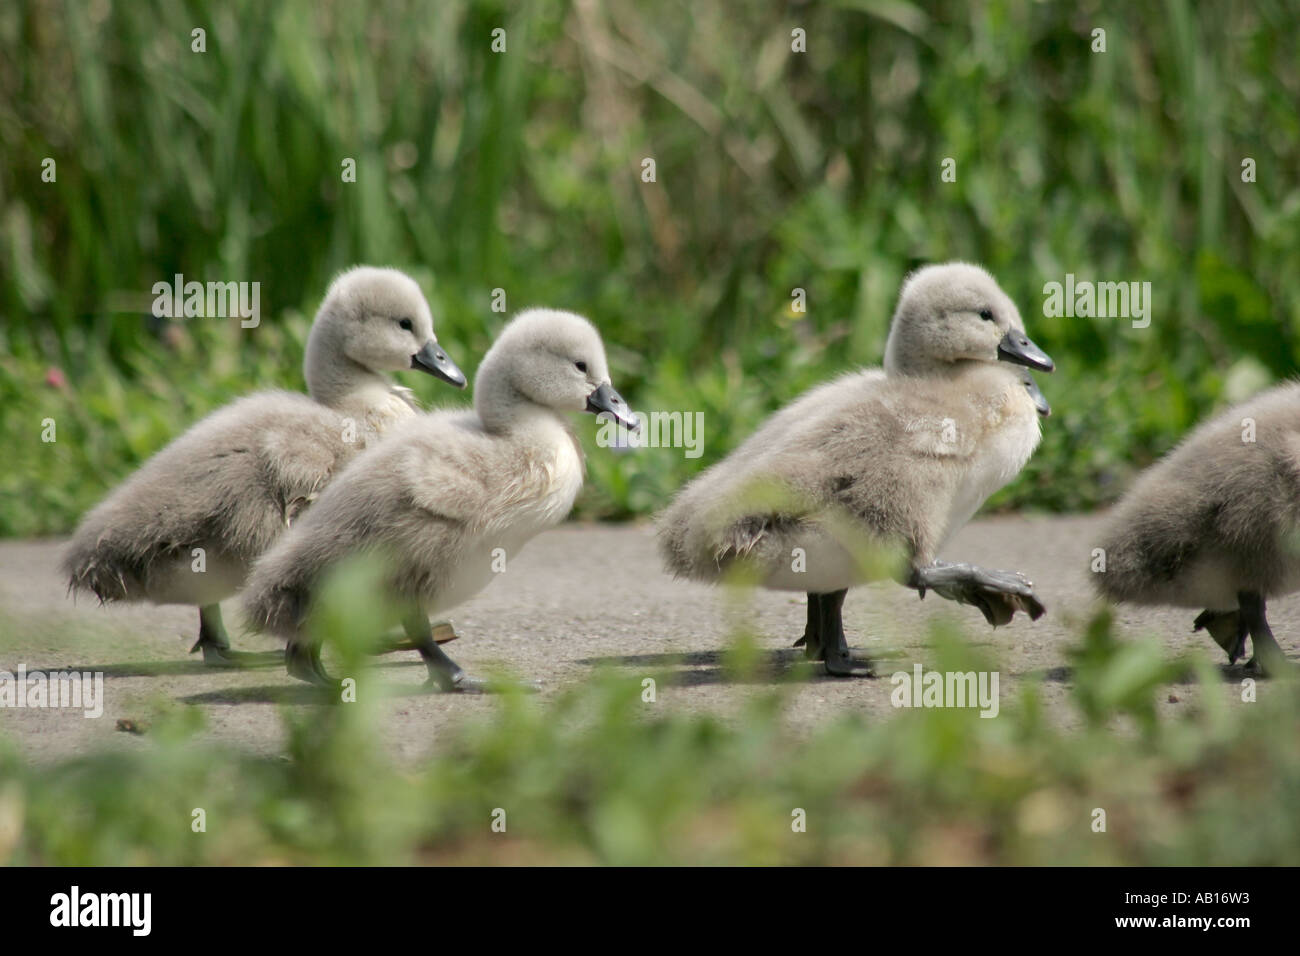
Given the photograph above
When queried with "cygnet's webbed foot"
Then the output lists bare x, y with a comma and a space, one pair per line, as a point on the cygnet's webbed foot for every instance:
1228, 628
998, 594
445, 675
444, 632
303, 662
215, 652
215, 643
1268, 659
843, 663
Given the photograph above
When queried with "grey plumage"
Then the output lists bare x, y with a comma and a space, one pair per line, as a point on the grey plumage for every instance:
889, 450
445, 490
234, 481
229, 485
898, 458
1216, 523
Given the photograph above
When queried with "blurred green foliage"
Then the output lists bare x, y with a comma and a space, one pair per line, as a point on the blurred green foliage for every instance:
597, 774
522, 171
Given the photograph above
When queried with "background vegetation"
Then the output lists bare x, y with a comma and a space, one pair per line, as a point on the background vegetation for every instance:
775, 170
598, 775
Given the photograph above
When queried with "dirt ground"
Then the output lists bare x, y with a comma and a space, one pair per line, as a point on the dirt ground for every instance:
576, 598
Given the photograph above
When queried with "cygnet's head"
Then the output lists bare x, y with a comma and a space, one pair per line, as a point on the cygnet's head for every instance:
553, 359
953, 313
378, 318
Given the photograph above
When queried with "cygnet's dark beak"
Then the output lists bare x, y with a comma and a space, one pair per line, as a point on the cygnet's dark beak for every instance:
1040, 401
605, 401
1017, 348
432, 359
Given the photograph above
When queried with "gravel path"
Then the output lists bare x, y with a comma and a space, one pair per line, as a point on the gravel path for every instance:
577, 598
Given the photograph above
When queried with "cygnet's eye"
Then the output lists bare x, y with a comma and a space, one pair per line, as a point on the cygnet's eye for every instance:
406, 324
986, 315
580, 366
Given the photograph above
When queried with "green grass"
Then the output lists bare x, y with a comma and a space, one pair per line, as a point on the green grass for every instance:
598, 775
522, 171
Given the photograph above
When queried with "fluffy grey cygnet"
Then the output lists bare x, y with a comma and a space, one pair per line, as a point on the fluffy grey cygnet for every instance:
186, 527
438, 498
898, 457
1215, 524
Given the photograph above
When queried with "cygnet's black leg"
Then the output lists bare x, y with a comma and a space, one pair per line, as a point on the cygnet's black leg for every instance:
1268, 657
1228, 628
444, 673
214, 642
811, 642
302, 660
998, 594
816, 639
835, 648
